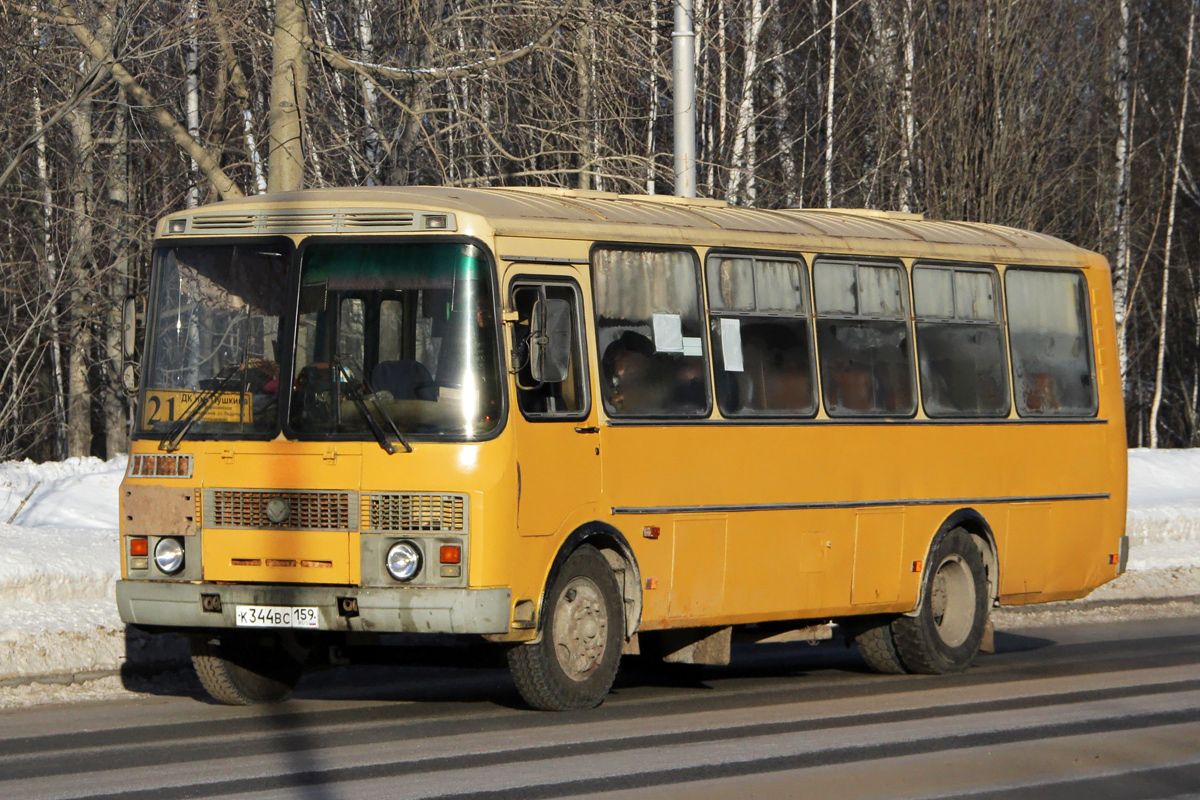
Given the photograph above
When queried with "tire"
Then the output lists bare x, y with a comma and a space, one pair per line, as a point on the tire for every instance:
878, 649
575, 662
945, 634
241, 669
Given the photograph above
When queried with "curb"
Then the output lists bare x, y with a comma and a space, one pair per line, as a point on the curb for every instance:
80, 677
1092, 605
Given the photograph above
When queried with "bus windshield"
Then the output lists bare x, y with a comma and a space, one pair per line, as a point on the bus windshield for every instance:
395, 334
214, 327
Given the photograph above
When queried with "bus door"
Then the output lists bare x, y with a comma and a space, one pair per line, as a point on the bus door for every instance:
556, 429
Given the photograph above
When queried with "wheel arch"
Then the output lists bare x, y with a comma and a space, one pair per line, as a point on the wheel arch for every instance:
975, 524
615, 548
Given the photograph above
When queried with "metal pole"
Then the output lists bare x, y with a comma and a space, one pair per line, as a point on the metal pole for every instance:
683, 68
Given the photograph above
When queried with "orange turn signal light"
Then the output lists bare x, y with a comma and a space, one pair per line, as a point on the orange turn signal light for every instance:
1114, 558
451, 554
918, 566
139, 546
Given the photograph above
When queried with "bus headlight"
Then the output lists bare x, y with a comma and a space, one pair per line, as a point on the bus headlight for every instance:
403, 561
168, 555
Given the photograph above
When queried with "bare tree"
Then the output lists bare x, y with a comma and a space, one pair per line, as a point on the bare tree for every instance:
1156, 403
829, 102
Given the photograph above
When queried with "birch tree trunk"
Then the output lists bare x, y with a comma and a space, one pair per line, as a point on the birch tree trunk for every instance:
653, 79
722, 82
53, 286
708, 118
289, 82
783, 129
241, 90
1156, 403
584, 54
885, 36
372, 149
908, 131
1121, 200
116, 428
829, 95
192, 83
462, 107
743, 157
79, 259
337, 95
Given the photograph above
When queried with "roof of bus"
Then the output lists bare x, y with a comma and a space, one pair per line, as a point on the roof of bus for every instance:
606, 216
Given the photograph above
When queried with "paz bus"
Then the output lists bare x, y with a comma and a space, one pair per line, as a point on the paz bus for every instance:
581, 424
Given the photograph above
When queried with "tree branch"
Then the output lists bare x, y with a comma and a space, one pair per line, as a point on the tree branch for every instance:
382, 72
104, 57
85, 89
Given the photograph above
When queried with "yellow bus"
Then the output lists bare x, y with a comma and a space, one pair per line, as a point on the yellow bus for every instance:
581, 424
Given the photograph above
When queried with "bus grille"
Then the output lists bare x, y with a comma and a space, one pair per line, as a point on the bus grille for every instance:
307, 510
434, 513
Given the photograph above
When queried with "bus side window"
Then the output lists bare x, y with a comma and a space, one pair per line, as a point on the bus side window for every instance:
761, 336
1050, 338
863, 338
960, 341
567, 398
649, 330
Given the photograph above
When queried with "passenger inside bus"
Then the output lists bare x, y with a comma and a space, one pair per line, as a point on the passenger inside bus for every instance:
404, 379
641, 381
632, 383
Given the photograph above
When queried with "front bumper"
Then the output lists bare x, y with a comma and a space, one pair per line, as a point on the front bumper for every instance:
383, 610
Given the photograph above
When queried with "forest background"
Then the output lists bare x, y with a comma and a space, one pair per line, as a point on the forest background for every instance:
1070, 117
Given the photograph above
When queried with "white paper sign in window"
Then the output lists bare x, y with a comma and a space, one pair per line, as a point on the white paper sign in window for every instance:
731, 344
668, 333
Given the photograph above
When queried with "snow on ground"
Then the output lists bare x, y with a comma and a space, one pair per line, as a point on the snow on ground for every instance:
59, 564
61, 545
1163, 522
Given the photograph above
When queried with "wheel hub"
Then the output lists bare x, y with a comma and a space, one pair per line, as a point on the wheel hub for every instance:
952, 601
580, 628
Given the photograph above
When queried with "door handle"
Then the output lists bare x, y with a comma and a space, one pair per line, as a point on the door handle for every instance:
587, 430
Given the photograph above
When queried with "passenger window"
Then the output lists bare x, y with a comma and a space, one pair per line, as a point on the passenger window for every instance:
1050, 340
566, 399
761, 336
649, 332
960, 342
862, 336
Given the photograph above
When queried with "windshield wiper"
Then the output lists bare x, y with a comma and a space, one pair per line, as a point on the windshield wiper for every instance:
355, 392
196, 409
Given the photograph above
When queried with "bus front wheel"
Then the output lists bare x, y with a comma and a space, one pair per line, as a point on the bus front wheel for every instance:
575, 662
243, 669
947, 630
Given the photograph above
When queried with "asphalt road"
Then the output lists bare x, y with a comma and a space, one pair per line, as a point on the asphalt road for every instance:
1095, 711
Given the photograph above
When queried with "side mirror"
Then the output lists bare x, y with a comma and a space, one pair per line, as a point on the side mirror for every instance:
129, 317
550, 340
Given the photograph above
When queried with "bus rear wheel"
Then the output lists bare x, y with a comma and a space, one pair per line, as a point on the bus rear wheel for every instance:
575, 662
241, 669
946, 632
878, 648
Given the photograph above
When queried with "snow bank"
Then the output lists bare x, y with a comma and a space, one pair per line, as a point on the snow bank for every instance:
59, 566
1163, 522
59, 558
62, 543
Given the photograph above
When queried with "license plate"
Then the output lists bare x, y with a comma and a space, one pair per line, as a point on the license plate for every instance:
277, 617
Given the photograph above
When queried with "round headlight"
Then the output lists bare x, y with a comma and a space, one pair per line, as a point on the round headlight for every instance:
168, 555
404, 561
